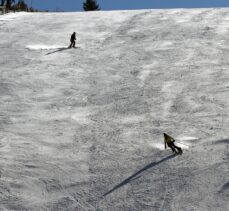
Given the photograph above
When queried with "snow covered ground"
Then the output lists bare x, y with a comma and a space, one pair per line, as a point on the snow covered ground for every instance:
82, 129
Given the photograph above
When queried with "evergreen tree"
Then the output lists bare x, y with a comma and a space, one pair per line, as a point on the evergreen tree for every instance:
21, 5
90, 5
8, 4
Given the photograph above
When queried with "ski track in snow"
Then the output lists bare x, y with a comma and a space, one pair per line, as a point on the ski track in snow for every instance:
81, 129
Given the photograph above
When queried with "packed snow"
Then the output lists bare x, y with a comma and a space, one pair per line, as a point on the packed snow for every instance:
82, 129
44, 47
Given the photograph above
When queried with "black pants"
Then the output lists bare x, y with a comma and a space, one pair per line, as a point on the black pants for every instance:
73, 43
174, 147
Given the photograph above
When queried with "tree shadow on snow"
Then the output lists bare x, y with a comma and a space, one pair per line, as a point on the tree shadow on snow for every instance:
136, 175
58, 50
225, 188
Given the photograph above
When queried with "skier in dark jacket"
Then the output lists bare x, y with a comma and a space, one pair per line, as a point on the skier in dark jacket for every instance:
72, 39
169, 141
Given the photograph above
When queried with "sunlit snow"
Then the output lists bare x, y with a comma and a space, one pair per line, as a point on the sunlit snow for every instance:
82, 129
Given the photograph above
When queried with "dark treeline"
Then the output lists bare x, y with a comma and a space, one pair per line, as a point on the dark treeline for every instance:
20, 5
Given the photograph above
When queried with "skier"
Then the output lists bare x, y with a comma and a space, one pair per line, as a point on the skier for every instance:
72, 39
169, 141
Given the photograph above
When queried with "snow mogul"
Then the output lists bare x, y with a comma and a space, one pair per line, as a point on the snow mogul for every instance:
72, 40
169, 141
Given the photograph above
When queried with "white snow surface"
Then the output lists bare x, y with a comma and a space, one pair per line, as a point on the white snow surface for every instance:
44, 47
82, 129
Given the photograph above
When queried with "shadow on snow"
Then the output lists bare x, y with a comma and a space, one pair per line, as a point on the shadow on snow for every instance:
136, 175
223, 141
226, 186
224, 189
58, 50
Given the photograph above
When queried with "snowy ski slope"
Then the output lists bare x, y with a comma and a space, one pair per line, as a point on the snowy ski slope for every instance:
81, 129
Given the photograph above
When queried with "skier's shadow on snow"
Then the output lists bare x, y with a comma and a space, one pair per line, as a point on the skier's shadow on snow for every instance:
136, 175
223, 141
58, 50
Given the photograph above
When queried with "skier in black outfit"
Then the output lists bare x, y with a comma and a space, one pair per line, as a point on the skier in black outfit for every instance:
169, 141
73, 38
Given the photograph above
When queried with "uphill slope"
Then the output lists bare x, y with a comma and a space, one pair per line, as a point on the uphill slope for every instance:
81, 129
